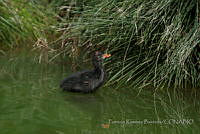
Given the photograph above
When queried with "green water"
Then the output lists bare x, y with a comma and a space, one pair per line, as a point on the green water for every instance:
32, 103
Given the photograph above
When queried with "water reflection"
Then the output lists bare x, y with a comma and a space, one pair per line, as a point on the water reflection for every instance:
30, 97
93, 105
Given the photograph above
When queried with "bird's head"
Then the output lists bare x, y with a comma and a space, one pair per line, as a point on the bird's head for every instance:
99, 57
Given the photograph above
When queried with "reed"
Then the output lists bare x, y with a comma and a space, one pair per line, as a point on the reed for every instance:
23, 22
153, 42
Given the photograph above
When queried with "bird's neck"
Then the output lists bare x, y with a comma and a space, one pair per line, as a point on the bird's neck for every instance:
100, 73
99, 69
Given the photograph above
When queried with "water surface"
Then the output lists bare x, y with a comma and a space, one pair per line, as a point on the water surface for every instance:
32, 103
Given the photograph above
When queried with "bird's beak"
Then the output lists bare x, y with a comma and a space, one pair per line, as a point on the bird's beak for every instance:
104, 56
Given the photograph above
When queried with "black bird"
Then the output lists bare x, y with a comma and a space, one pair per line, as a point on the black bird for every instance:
88, 80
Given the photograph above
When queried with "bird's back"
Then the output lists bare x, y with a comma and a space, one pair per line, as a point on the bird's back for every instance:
79, 82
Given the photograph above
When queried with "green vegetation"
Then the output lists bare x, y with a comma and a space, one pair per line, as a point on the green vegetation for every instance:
23, 22
152, 42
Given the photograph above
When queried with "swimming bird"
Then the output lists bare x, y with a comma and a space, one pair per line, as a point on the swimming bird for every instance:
87, 81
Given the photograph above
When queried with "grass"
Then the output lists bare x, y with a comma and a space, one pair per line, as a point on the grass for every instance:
152, 42
23, 22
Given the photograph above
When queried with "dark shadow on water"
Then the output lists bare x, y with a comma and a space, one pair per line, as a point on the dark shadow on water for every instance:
93, 104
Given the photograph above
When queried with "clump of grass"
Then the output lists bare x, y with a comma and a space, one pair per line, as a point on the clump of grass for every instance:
23, 21
43, 47
152, 42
